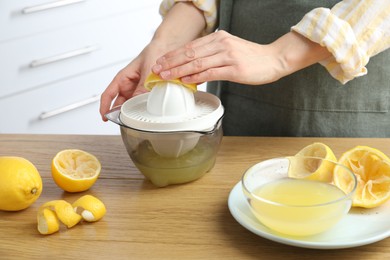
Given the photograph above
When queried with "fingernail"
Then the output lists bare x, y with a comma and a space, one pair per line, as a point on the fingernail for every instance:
165, 74
157, 68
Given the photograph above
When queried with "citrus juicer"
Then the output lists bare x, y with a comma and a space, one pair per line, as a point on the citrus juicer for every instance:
171, 132
167, 104
170, 107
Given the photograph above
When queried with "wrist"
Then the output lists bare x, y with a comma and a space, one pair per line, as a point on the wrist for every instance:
182, 24
296, 52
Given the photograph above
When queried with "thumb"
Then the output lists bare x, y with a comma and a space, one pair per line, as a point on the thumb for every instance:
139, 90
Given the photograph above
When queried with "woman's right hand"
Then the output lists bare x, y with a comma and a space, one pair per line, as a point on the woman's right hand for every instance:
128, 82
183, 23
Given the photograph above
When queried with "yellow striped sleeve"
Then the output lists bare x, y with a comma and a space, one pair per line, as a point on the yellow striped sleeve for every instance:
209, 8
353, 31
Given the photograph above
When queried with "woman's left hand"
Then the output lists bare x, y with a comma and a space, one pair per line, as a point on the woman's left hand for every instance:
222, 56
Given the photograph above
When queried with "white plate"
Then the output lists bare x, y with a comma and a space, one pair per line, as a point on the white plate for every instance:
359, 227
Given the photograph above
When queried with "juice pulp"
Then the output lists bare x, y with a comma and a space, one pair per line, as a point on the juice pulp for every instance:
292, 213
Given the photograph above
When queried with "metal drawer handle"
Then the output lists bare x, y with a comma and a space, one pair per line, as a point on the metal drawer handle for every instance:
61, 110
63, 56
48, 6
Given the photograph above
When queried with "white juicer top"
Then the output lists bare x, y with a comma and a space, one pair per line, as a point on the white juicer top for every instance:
170, 107
169, 99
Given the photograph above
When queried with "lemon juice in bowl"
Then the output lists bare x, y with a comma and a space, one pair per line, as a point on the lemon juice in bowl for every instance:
163, 171
294, 204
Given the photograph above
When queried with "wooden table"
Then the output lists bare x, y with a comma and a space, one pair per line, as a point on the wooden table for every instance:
190, 221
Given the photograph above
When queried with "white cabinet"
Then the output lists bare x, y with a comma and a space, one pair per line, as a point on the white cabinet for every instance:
57, 57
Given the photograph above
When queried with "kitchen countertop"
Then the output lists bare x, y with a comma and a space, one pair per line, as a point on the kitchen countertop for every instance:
188, 221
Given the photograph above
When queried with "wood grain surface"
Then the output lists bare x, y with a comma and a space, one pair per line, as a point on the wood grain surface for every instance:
188, 221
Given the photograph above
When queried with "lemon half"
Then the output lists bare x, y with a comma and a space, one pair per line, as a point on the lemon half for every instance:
313, 169
75, 170
372, 170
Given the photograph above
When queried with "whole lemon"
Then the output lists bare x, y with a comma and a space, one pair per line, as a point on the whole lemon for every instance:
20, 183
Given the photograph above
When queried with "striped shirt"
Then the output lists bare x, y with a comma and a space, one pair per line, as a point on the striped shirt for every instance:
353, 31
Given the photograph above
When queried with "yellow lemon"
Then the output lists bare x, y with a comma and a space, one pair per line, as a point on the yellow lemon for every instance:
152, 79
75, 170
20, 183
91, 208
47, 222
312, 169
372, 170
64, 211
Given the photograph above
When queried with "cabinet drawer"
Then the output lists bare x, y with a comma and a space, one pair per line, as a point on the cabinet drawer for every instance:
27, 17
45, 58
59, 108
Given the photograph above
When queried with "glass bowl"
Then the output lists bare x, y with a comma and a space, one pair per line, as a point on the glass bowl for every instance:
173, 157
297, 196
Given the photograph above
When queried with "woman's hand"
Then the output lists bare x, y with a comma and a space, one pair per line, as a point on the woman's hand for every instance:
222, 56
128, 82
182, 24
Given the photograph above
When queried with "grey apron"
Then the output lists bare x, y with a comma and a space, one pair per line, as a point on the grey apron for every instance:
309, 102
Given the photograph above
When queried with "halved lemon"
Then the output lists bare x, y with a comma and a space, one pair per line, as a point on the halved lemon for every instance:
319, 150
314, 169
75, 170
153, 78
91, 208
372, 170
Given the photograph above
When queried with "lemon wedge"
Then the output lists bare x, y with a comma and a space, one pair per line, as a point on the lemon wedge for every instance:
153, 78
92, 209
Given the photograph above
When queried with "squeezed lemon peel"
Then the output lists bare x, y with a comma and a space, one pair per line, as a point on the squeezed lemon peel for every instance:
54, 212
372, 170
92, 209
309, 168
48, 222
64, 212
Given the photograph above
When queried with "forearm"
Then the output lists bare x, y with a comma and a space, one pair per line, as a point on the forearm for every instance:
209, 9
183, 23
353, 31
295, 52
